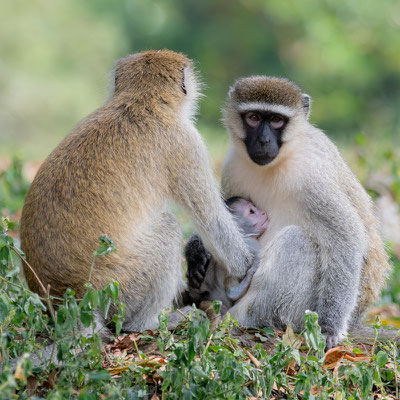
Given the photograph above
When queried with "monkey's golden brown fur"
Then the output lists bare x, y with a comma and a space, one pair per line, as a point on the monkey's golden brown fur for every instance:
115, 173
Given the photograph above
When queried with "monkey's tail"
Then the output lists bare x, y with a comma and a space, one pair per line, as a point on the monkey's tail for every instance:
367, 333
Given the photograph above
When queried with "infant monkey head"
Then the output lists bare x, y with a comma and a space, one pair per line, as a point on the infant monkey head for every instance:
251, 220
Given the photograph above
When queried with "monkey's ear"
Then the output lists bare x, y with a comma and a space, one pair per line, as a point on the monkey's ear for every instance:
306, 101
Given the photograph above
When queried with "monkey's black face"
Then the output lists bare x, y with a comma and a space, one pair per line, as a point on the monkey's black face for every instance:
264, 131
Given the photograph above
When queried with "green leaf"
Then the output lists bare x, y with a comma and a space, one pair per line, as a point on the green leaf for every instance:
86, 317
94, 298
216, 304
113, 290
106, 246
296, 356
6, 240
381, 358
99, 376
13, 272
35, 300
105, 302
4, 307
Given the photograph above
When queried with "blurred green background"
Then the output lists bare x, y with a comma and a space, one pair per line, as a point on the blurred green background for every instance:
56, 56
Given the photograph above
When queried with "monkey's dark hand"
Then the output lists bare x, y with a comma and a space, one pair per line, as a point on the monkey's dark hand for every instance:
198, 259
332, 338
332, 341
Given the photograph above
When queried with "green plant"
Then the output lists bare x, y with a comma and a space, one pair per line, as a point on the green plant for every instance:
13, 187
44, 334
26, 327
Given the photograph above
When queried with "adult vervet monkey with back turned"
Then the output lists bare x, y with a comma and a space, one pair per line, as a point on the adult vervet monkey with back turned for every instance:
115, 173
322, 251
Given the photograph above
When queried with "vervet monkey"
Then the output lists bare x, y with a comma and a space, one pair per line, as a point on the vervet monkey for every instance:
322, 251
115, 173
207, 279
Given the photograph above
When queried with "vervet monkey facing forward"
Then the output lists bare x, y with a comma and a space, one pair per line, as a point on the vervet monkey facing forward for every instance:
115, 173
207, 280
322, 251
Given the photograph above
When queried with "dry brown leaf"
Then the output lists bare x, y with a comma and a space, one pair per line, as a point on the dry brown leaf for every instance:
117, 370
315, 390
32, 385
291, 370
252, 358
334, 354
291, 339
356, 358
19, 372
125, 342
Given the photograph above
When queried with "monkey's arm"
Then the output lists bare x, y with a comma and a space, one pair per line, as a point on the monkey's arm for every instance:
194, 187
341, 243
234, 293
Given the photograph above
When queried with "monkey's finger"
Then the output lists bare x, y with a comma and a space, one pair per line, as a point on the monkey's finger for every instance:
194, 282
199, 277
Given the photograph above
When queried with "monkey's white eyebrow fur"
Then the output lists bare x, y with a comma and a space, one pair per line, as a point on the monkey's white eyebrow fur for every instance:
260, 106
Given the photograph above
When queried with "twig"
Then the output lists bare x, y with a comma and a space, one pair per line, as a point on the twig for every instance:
30, 267
183, 314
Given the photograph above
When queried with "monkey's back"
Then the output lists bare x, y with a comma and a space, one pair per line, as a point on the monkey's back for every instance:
92, 183
376, 266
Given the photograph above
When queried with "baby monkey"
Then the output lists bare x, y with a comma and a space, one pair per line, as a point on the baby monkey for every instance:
207, 279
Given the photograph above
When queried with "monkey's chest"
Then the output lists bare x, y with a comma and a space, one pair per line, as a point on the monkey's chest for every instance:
281, 214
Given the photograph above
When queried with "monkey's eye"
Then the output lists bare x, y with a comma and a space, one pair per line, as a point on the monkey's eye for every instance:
253, 119
276, 121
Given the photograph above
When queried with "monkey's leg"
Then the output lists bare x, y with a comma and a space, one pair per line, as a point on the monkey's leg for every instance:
282, 288
151, 280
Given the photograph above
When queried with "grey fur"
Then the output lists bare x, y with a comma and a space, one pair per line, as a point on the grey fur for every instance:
322, 245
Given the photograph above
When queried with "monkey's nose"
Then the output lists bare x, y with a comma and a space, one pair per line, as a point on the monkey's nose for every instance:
264, 140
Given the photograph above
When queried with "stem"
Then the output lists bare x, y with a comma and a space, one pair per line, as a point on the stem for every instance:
91, 268
22, 287
46, 292
30, 267
137, 349
50, 360
208, 344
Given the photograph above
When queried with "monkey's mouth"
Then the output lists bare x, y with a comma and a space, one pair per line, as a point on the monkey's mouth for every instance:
262, 158
262, 226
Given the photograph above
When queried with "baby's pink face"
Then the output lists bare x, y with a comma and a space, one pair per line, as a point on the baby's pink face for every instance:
258, 219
